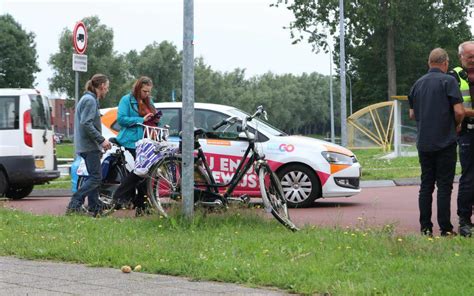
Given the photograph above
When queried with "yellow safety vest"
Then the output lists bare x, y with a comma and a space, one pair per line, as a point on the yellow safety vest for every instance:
464, 87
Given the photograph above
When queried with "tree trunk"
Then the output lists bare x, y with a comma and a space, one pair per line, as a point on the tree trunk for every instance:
391, 67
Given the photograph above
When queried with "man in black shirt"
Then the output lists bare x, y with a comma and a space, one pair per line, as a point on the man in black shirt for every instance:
436, 105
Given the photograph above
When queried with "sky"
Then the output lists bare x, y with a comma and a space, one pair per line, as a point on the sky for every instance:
228, 34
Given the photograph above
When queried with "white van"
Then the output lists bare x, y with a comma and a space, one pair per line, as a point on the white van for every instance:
27, 152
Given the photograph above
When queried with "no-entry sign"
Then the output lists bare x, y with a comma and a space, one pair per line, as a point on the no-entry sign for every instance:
79, 37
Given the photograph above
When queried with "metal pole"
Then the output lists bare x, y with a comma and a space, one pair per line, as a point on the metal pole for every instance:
67, 125
342, 65
350, 93
76, 91
397, 129
188, 110
76, 100
333, 136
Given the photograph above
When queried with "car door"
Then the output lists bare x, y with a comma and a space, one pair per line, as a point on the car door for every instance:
41, 132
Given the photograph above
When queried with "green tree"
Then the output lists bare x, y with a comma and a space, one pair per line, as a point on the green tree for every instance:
17, 54
387, 41
162, 63
101, 58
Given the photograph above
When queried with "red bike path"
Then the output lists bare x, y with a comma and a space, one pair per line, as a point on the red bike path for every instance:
395, 206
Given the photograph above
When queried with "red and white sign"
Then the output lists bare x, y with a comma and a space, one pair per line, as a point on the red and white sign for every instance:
79, 37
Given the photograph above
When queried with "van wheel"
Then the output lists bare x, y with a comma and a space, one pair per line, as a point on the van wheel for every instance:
300, 184
19, 192
3, 183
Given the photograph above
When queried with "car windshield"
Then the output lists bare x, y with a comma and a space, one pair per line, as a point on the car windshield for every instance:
262, 126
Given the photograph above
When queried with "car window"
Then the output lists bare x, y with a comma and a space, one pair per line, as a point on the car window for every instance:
262, 125
40, 113
172, 118
9, 115
206, 119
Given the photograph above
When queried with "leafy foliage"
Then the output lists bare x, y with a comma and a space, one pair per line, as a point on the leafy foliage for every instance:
387, 41
100, 59
17, 54
162, 63
296, 104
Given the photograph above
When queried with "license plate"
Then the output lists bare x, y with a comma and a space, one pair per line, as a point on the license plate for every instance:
39, 163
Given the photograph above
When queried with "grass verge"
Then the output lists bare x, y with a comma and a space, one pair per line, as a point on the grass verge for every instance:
65, 150
241, 247
376, 168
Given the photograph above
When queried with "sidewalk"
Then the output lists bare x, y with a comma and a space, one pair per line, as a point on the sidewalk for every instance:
25, 277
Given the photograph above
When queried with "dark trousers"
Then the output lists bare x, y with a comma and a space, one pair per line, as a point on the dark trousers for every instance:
466, 182
131, 188
437, 167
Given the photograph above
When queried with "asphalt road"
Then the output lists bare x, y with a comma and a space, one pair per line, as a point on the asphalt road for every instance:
396, 206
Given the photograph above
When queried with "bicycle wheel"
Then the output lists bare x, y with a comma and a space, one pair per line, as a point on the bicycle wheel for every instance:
108, 187
164, 182
273, 197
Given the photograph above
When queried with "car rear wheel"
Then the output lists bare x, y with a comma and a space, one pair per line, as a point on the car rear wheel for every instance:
19, 192
3, 183
301, 186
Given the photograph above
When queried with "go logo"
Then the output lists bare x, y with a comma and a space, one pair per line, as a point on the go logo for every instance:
287, 148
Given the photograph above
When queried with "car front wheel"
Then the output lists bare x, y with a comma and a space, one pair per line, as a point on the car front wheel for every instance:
301, 186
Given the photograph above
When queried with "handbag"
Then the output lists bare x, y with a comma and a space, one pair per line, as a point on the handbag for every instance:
149, 150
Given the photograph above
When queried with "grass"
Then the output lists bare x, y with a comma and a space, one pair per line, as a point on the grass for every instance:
65, 150
63, 182
241, 247
376, 168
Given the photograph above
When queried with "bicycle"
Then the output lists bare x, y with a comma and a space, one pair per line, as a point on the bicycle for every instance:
164, 178
113, 171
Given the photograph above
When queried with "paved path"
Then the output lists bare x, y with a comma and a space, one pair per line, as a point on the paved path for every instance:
24, 277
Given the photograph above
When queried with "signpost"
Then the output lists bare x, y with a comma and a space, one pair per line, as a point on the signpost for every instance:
79, 59
79, 36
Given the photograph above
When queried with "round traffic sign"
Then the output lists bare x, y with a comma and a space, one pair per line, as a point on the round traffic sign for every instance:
79, 37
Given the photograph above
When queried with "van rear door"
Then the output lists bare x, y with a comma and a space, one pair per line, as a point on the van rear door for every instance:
41, 131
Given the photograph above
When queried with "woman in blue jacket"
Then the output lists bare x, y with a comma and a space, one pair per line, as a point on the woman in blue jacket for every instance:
134, 108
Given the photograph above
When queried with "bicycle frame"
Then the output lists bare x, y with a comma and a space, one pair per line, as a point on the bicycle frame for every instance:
242, 168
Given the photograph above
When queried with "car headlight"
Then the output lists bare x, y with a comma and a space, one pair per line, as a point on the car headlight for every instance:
337, 158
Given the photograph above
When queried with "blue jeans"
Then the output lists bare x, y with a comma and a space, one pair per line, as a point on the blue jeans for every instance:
90, 187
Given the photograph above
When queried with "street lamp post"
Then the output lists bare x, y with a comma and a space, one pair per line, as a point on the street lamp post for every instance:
67, 125
342, 66
331, 100
350, 93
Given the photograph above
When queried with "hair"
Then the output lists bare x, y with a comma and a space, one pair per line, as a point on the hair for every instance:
144, 106
95, 82
461, 46
438, 56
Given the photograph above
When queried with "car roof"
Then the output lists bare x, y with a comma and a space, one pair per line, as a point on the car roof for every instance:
216, 107
18, 91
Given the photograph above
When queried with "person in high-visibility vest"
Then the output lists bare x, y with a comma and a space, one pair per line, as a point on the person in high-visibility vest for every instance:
465, 78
